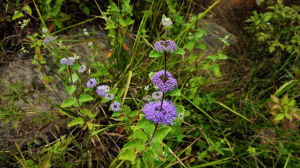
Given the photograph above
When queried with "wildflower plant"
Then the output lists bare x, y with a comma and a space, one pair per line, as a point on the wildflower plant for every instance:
158, 113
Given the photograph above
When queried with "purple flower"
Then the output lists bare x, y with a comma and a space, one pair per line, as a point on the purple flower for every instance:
48, 39
115, 106
67, 61
82, 68
109, 96
91, 83
157, 95
158, 79
165, 46
165, 114
102, 90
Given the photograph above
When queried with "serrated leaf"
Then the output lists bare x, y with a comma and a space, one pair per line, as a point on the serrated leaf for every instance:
155, 54
136, 144
146, 125
28, 9
201, 46
17, 15
87, 112
116, 114
175, 92
161, 133
179, 51
190, 45
85, 98
76, 121
128, 154
279, 117
71, 89
68, 102
148, 157
74, 78
151, 74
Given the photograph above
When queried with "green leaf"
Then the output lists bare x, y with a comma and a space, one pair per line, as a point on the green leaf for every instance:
146, 125
161, 133
127, 155
68, 102
17, 15
151, 74
279, 117
201, 46
136, 144
148, 157
155, 54
175, 92
179, 51
190, 45
156, 147
85, 98
76, 121
71, 89
116, 114
138, 133
87, 112
74, 78
28, 9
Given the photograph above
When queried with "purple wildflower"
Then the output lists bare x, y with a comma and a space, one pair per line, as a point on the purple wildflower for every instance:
109, 96
91, 83
165, 114
164, 86
115, 106
157, 95
48, 39
67, 61
82, 68
165, 46
102, 90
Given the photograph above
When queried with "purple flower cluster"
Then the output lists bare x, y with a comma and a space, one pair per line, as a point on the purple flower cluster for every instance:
164, 86
48, 39
109, 96
165, 46
91, 83
67, 61
102, 90
115, 106
165, 114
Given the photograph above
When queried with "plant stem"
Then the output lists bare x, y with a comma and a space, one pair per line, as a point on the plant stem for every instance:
70, 73
148, 143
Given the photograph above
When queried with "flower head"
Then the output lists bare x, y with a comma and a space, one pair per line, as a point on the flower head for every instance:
157, 95
91, 83
160, 114
165, 46
82, 68
115, 106
102, 90
164, 85
48, 39
109, 96
67, 61
166, 22
147, 98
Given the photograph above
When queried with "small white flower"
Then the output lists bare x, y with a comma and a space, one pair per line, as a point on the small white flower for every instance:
166, 22
155, 87
146, 87
157, 95
90, 43
85, 32
44, 30
82, 68
76, 56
